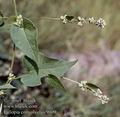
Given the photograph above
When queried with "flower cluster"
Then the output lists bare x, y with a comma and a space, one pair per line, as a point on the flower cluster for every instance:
19, 20
91, 20
81, 21
98, 93
63, 18
82, 85
1, 92
11, 77
66, 18
100, 23
103, 98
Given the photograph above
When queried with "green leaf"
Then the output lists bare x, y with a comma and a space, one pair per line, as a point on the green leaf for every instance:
29, 64
25, 39
53, 66
1, 19
46, 66
50, 66
69, 18
92, 86
32, 79
7, 86
55, 82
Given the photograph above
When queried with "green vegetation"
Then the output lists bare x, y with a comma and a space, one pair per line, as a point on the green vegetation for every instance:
56, 37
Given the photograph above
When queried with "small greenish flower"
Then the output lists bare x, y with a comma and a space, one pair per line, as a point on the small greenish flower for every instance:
80, 24
63, 18
82, 85
1, 92
100, 23
19, 20
66, 18
103, 98
11, 77
81, 19
98, 93
91, 20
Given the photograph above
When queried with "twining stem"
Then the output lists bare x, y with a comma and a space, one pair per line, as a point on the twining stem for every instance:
13, 59
50, 18
87, 87
15, 8
5, 18
71, 80
7, 82
12, 63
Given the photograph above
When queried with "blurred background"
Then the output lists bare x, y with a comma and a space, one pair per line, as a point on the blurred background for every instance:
97, 51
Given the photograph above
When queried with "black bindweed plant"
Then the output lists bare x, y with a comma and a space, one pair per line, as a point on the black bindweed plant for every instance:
24, 36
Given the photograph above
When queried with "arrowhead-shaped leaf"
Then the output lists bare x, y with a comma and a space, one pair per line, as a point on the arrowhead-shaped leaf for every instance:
7, 86
25, 39
46, 66
55, 82
32, 79
49, 65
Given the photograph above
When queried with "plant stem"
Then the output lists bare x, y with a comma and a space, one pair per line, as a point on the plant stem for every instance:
1, 106
13, 59
12, 63
70, 80
7, 82
50, 18
5, 17
15, 8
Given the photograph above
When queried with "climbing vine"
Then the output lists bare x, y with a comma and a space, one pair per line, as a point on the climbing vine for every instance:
38, 66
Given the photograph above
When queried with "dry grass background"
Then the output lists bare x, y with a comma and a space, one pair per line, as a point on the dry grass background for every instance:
55, 37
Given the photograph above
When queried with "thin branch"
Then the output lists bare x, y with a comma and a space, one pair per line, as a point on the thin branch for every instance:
50, 18
71, 80
13, 59
15, 8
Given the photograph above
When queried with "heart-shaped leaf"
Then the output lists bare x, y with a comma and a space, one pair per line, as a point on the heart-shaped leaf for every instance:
25, 39
55, 82
69, 18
